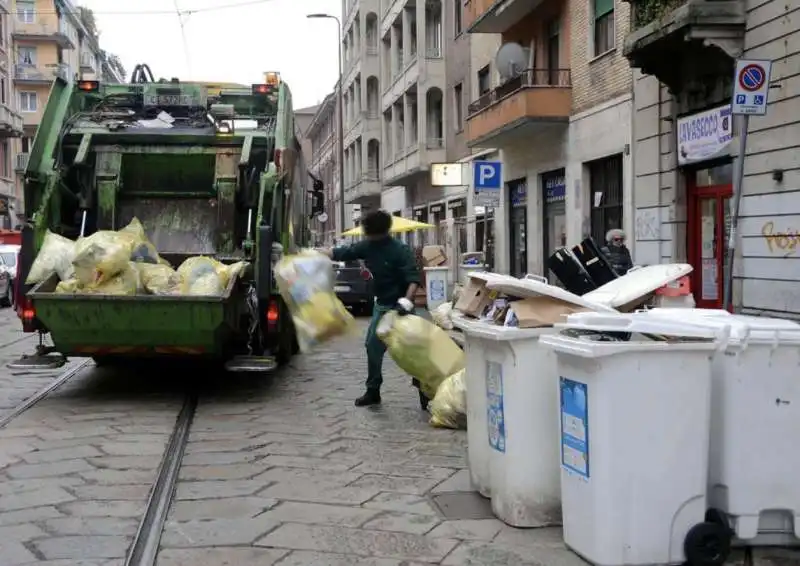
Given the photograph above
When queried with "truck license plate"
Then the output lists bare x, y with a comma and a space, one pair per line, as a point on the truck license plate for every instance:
341, 289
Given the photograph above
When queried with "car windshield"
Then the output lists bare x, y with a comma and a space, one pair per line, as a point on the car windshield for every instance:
9, 258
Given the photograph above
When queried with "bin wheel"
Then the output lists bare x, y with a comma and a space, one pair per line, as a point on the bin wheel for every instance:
718, 518
707, 544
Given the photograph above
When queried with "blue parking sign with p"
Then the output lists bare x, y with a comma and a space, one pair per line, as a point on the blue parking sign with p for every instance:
487, 175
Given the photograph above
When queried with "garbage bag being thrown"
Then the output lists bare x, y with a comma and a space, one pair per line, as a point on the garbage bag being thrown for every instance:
305, 282
55, 256
101, 256
421, 349
449, 406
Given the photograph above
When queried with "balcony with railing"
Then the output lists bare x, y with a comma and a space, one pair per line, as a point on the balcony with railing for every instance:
365, 188
21, 162
88, 62
10, 123
31, 74
496, 16
533, 98
45, 30
665, 34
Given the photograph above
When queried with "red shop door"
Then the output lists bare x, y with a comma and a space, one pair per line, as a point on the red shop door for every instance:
709, 230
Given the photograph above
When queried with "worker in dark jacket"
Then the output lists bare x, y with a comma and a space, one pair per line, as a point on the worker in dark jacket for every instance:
618, 254
396, 278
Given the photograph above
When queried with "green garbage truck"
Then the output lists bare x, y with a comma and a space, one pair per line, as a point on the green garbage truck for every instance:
209, 170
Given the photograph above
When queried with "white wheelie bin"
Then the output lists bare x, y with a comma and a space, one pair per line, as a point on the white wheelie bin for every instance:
628, 289
755, 415
634, 398
519, 409
475, 381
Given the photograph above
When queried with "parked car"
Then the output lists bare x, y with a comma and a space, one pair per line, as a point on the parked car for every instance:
354, 286
8, 273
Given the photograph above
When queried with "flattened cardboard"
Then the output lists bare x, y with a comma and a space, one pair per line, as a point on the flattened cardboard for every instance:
475, 298
433, 256
538, 312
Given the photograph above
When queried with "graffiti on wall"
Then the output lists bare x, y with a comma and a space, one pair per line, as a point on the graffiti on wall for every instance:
647, 225
782, 241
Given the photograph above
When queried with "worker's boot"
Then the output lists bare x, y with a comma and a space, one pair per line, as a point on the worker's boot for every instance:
371, 397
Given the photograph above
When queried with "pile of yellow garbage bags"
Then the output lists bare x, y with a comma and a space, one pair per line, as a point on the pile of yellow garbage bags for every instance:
125, 262
306, 283
428, 354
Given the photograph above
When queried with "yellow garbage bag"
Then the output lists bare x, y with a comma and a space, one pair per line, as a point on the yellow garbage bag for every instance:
126, 282
160, 279
55, 256
421, 349
305, 281
143, 250
101, 256
205, 276
68, 287
449, 406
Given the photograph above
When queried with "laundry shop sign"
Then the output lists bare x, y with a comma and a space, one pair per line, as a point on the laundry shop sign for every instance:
704, 135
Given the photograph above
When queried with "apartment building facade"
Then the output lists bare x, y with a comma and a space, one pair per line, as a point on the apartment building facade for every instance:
321, 135
362, 101
558, 110
10, 121
48, 41
686, 143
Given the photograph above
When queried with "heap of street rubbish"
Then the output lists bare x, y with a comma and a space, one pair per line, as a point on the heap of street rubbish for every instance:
428, 354
306, 283
125, 262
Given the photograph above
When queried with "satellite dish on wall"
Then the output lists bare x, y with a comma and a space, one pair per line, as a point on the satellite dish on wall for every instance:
510, 60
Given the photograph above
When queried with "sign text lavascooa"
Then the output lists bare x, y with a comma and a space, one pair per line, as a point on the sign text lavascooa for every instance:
704, 135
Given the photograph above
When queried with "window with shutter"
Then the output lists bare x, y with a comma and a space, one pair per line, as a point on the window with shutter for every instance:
604, 39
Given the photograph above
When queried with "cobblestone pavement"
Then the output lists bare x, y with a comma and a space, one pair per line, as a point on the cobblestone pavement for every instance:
18, 385
281, 470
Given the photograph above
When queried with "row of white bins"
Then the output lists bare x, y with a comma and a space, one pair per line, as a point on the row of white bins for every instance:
655, 437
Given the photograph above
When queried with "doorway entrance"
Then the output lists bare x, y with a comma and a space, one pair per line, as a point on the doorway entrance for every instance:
709, 223
518, 226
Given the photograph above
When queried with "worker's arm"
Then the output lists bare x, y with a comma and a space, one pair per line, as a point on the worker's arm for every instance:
352, 252
410, 273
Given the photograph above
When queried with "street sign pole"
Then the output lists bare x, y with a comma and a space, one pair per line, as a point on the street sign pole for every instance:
738, 178
750, 93
487, 186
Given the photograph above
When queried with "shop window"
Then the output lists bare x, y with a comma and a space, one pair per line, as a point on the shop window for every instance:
605, 182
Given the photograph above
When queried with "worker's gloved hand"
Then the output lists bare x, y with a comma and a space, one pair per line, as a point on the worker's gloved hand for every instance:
404, 307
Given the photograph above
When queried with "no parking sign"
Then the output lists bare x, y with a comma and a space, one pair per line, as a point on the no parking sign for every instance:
751, 87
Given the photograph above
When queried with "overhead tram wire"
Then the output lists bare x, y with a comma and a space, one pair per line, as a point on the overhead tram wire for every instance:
182, 23
185, 12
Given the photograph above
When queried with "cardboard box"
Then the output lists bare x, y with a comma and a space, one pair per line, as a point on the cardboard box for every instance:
433, 256
537, 312
475, 298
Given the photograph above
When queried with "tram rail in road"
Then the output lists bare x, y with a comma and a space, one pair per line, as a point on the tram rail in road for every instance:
144, 550
60, 380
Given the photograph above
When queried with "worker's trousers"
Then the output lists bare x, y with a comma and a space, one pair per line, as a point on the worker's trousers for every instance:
376, 348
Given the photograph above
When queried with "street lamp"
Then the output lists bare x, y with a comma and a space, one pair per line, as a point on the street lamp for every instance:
340, 125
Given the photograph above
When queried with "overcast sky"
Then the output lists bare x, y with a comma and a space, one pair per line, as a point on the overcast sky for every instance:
233, 44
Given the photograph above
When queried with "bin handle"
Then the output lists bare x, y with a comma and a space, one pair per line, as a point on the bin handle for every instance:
535, 277
723, 338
